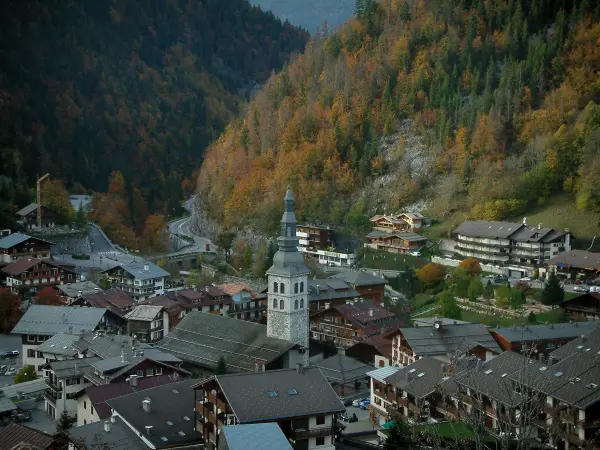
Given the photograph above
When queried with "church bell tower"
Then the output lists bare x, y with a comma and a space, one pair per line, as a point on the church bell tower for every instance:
287, 313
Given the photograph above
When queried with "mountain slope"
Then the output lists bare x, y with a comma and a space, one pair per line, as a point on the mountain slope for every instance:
92, 86
483, 107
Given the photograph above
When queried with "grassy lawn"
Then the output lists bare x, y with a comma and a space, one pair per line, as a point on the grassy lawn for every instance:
383, 260
448, 429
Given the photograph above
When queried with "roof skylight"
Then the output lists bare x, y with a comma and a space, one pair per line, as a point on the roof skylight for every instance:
412, 370
292, 392
272, 394
558, 374
421, 374
487, 372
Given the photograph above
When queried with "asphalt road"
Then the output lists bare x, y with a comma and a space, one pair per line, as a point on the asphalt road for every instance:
181, 227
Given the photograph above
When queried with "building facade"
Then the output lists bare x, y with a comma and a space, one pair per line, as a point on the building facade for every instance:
140, 279
395, 242
17, 245
148, 323
28, 216
29, 275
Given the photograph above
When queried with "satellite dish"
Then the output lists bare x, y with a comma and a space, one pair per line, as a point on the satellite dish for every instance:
437, 325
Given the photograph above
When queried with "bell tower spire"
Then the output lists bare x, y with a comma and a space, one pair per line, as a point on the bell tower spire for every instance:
287, 314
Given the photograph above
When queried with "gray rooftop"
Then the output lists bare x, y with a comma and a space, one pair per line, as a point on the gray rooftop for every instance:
360, 278
137, 270
106, 345
424, 340
338, 368
17, 238
171, 416
28, 388
72, 367
120, 436
420, 378
144, 313
297, 394
543, 332
27, 209
255, 436
6, 404
60, 344
76, 289
330, 289
576, 258
201, 338
507, 230
50, 320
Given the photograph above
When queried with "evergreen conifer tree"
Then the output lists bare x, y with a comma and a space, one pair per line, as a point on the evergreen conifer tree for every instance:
553, 293
221, 366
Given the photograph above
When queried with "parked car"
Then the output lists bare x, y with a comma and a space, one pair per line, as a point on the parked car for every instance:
3, 369
500, 279
416, 253
580, 288
10, 372
527, 279
13, 354
364, 404
358, 401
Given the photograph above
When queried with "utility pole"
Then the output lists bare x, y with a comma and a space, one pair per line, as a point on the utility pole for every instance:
39, 199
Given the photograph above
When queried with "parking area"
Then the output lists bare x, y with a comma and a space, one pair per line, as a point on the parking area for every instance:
364, 421
9, 343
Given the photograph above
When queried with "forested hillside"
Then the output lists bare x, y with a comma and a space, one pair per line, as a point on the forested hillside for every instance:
88, 87
310, 14
486, 108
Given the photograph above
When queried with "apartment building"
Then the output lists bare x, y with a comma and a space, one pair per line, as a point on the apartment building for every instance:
319, 242
300, 401
140, 279
395, 242
148, 323
518, 247
347, 324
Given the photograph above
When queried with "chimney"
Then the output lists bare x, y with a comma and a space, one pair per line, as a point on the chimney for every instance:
327, 305
525, 221
107, 426
149, 430
370, 312
79, 293
299, 367
256, 367
147, 405
96, 289
146, 267
112, 418
133, 380
123, 354
539, 226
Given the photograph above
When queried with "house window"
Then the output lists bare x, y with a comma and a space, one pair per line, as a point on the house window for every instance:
295, 288
282, 288
158, 371
140, 373
281, 304
301, 303
275, 285
320, 420
30, 353
319, 441
296, 304
30, 338
301, 286
150, 372
92, 409
84, 405
274, 303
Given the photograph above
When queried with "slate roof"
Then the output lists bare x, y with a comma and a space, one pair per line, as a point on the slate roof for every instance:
136, 269
507, 230
107, 345
72, 289
383, 373
99, 395
50, 320
255, 436
330, 289
338, 368
249, 398
27, 389
420, 378
173, 402
425, 340
201, 338
576, 258
360, 278
15, 433
544, 332
13, 239
6, 404
143, 313
27, 209
120, 436
71, 367
60, 344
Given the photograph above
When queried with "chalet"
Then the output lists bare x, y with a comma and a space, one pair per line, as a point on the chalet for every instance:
209, 299
369, 286
395, 242
246, 304
17, 245
72, 291
140, 279
539, 340
345, 325
398, 222
32, 274
149, 323
343, 372
573, 262
375, 350
442, 342
174, 310
324, 293
28, 216
300, 401
583, 307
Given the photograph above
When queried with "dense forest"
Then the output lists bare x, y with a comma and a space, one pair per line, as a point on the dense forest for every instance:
312, 14
138, 88
485, 107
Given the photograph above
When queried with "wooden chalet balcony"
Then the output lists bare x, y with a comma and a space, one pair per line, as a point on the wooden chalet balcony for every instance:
449, 411
574, 439
394, 412
470, 401
312, 433
391, 396
215, 400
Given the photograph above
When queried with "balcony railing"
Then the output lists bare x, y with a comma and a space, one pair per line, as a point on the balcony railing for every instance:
215, 400
313, 433
51, 396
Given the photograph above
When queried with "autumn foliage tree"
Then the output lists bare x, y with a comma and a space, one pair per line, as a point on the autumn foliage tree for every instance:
47, 296
431, 274
10, 310
471, 266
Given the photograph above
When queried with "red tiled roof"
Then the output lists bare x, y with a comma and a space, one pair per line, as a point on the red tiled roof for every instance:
15, 433
23, 264
116, 300
100, 394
